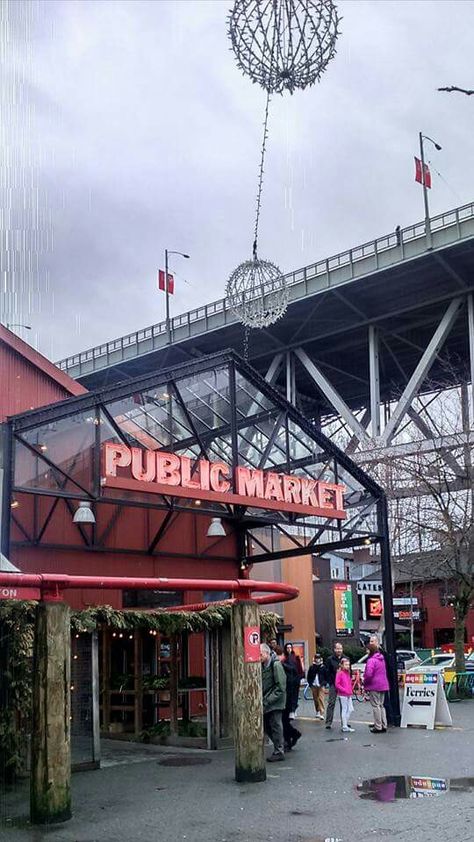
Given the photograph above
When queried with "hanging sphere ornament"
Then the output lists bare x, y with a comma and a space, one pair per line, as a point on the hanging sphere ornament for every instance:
283, 44
257, 293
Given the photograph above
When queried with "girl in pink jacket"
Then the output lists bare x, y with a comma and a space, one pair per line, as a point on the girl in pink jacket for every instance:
343, 684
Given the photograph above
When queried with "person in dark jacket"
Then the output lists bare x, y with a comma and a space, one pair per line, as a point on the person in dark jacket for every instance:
317, 680
291, 734
332, 666
274, 700
297, 673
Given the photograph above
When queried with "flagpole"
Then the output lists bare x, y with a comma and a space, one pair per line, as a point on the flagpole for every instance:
425, 195
167, 292
168, 325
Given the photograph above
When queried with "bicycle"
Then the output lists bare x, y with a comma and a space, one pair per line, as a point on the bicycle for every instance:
358, 692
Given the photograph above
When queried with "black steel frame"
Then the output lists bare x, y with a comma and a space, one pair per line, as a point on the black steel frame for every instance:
282, 413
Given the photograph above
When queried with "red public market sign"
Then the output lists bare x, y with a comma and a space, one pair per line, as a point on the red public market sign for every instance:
156, 472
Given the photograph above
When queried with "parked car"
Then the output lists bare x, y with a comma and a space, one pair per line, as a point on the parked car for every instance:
443, 663
406, 658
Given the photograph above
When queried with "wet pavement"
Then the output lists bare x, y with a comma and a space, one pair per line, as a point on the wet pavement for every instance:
325, 791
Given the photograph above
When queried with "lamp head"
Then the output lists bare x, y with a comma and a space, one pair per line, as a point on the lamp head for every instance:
84, 513
216, 530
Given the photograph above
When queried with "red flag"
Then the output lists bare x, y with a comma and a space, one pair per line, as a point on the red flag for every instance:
161, 282
422, 176
427, 175
418, 178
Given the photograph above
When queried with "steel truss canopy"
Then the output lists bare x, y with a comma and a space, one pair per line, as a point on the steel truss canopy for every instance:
217, 409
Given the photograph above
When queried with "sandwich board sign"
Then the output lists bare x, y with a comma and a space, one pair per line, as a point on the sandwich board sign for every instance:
424, 702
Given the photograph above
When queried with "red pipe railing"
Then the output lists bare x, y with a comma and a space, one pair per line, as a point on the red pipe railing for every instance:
51, 586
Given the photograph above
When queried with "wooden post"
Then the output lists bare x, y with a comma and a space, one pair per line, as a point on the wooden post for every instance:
247, 699
50, 786
226, 699
173, 685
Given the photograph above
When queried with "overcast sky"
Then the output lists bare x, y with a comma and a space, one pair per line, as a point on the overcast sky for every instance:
149, 137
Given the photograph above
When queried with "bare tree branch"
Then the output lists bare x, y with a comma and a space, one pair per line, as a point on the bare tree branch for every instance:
452, 88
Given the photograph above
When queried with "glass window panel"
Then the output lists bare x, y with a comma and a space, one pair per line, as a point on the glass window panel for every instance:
68, 443
248, 398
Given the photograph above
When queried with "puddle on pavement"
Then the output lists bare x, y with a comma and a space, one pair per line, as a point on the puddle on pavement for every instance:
182, 760
394, 787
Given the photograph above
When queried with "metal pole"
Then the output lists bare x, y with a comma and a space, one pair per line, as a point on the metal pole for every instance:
6, 477
425, 195
412, 624
382, 522
470, 322
168, 324
374, 379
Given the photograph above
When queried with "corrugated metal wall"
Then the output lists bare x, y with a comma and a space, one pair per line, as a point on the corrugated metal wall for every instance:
23, 386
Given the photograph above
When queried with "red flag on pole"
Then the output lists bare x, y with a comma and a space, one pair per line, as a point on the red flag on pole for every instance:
420, 176
161, 282
427, 176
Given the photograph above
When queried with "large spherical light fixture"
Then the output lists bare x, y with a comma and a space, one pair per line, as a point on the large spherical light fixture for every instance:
257, 293
283, 44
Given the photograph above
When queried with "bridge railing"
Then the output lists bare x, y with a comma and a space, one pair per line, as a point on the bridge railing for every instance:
349, 257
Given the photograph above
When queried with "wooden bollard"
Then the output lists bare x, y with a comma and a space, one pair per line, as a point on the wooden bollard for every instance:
50, 785
247, 698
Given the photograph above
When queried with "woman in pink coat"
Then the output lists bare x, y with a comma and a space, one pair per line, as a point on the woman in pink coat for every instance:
376, 684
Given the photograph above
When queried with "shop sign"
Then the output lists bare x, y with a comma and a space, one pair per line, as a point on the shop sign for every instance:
19, 593
251, 644
375, 607
406, 615
369, 587
424, 701
343, 610
405, 600
156, 472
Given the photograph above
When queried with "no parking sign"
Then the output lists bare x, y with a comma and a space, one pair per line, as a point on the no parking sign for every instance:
251, 644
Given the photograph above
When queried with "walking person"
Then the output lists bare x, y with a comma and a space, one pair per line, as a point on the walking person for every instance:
316, 679
376, 683
291, 734
332, 666
274, 700
343, 685
290, 657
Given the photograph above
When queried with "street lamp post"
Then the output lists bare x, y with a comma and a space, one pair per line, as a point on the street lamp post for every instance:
423, 184
167, 293
15, 324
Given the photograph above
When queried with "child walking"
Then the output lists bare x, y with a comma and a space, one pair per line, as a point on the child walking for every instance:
343, 686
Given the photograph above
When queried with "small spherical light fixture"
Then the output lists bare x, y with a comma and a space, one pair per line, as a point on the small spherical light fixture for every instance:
216, 530
84, 513
257, 293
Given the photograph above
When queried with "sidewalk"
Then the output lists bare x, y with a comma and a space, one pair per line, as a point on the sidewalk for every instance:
311, 797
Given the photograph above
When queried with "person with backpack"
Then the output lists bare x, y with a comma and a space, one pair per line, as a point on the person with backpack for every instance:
274, 700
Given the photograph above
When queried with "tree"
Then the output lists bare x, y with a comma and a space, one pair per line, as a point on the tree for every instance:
430, 485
